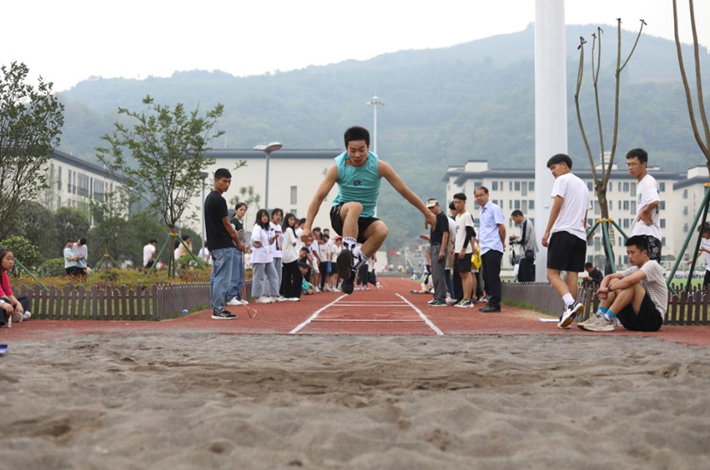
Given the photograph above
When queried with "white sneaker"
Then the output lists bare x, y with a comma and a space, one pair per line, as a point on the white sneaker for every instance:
234, 301
569, 314
327, 288
293, 299
316, 290
264, 300
279, 299
245, 302
26, 316
450, 301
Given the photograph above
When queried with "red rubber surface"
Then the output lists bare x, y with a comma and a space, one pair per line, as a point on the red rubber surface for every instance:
362, 313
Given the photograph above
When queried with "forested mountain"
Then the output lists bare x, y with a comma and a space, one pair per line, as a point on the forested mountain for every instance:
443, 106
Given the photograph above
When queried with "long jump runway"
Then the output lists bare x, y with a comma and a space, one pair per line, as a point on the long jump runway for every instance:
391, 311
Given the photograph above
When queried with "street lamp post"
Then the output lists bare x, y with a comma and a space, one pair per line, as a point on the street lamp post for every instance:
267, 149
203, 175
375, 101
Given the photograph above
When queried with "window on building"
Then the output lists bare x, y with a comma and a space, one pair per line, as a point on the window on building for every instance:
510, 186
663, 241
597, 243
516, 205
597, 210
589, 185
531, 186
517, 185
510, 204
662, 187
626, 187
83, 185
59, 177
294, 211
294, 194
590, 222
524, 188
633, 207
626, 205
663, 205
525, 206
69, 182
685, 228
685, 210
663, 223
626, 223
477, 184
99, 190
685, 194
611, 186
531, 204
59, 202
633, 189
476, 206
494, 186
619, 186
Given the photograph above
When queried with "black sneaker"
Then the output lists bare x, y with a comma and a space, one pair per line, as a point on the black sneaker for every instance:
345, 267
348, 284
223, 315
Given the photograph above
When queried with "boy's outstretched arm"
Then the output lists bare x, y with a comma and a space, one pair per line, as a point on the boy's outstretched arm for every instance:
330, 178
387, 172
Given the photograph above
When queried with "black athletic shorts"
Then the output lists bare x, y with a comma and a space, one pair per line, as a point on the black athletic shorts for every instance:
654, 248
566, 252
363, 223
706, 280
462, 265
648, 318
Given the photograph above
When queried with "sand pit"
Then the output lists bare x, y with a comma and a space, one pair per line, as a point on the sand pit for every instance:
204, 400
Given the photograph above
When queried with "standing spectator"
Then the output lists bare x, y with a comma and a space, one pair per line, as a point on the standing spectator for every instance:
336, 250
451, 274
81, 252
70, 258
223, 240
463, 247
176, 251
204, 253
313, 250
704, 251
595, 276
16, 308
304, 257
438, 239
182, 250
265, 285
567, 235
292, 277
277, 216
236, 284
148, 253
492, 238
324, 255
528, 246
648, 217
299, 232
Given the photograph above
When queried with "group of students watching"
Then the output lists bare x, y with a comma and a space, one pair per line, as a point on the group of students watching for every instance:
75, 254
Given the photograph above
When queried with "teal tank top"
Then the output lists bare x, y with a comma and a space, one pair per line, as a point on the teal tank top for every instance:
358, 183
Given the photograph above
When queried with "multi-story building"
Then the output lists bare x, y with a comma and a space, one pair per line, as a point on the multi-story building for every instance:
681, 195
75, 183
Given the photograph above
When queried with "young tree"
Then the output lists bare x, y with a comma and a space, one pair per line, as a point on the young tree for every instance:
704, 144
168, 148
601, 178
31, 120
247, 196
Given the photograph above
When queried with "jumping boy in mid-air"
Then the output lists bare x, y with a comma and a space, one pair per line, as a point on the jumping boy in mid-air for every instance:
358, 172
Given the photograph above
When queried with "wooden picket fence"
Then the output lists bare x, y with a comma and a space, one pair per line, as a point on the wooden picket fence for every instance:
687, 308
159, 302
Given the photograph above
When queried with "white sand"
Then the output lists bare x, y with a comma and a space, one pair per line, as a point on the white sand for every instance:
196, 401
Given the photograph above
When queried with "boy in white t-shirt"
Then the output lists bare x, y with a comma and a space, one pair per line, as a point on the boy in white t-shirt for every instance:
648, 218
463, 250
638, 296
705, 251
566, 234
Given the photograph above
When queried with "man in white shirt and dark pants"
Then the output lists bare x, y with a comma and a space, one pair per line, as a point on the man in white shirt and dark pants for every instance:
492, 239
648, 217
566, 235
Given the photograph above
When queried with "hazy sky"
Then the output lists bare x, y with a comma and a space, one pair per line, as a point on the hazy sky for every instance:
71, 40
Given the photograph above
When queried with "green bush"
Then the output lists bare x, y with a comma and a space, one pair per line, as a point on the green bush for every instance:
25, 252
51, 268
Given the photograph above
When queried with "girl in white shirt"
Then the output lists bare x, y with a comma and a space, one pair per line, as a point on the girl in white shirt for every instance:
265, 285
292, 277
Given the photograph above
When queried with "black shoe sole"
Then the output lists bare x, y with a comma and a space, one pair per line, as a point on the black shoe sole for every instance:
347, 286
345, 264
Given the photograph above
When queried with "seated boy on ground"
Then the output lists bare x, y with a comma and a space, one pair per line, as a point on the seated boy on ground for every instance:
638, 296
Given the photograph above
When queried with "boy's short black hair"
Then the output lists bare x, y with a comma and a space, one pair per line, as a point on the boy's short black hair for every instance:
588, 265
560, 158
641, 154
303, 265
222, 173
153, 240
304, 248
356, 133
185, 237
638, 241
452, 206
460, 196
706, 228
517, 213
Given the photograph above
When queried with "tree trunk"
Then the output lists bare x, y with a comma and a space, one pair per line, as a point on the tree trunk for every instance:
604, 207
172, 262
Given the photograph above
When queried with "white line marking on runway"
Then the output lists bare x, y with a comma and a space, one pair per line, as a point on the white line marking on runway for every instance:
315, 314
424, 317
370, 305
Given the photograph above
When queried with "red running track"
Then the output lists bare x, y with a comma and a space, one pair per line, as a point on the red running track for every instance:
393, 310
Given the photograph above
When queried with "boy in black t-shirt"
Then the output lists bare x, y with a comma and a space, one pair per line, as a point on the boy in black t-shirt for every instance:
223, 241
439, 238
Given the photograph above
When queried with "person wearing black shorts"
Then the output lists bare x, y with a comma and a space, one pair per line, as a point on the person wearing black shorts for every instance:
565, 235
463, 251
638, 296
358, 172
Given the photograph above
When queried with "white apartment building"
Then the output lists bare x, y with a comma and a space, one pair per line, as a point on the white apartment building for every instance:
74, 182
515, 189
294, 176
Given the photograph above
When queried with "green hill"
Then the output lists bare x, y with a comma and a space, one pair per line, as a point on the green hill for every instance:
443, 106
